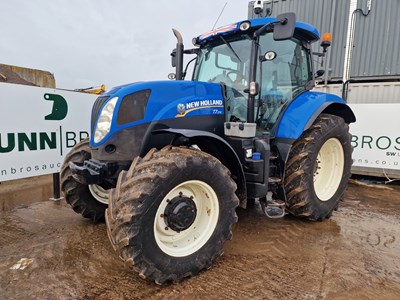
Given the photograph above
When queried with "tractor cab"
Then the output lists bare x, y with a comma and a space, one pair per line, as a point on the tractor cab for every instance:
283, 68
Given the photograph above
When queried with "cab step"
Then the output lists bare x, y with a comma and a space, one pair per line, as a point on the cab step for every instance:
273, 209
274, 180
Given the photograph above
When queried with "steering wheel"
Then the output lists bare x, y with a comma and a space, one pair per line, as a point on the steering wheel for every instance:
230, 84
239, 80
222, 78
229, 73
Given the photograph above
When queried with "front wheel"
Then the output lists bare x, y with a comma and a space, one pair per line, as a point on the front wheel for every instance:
171, 213
90, 201
318, 169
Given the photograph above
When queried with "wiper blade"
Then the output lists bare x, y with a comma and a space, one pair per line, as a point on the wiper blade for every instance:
230, 47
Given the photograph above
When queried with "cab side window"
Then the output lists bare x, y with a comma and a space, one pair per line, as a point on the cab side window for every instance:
284, 73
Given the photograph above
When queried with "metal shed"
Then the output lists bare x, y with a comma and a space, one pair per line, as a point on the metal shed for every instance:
376, 37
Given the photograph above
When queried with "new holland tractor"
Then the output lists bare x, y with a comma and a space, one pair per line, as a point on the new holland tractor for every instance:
168, 162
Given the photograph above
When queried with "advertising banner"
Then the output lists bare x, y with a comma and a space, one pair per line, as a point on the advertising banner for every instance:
38, 126
376, 136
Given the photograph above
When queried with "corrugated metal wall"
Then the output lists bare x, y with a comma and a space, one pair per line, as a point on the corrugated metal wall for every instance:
376, 41
366, 93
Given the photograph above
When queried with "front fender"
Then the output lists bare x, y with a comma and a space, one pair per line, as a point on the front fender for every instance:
219, 148
304, 109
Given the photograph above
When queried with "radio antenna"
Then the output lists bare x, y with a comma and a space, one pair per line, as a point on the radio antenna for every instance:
219, 15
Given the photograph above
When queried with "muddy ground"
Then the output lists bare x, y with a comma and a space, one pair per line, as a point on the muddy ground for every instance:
354, 255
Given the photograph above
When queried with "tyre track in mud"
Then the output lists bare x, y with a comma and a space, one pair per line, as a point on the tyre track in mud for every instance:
11, 234
256, 277
264, 267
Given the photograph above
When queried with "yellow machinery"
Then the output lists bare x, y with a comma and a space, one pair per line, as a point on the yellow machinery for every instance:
93, 90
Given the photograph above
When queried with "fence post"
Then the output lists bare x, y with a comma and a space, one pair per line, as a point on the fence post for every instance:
56, 188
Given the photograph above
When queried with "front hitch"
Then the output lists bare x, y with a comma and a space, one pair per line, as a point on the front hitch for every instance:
93, 171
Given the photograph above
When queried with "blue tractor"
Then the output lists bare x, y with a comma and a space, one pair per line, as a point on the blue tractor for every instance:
168, 162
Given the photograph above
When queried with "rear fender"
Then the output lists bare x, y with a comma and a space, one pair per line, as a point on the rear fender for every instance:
304, 110
302, 113
217, 147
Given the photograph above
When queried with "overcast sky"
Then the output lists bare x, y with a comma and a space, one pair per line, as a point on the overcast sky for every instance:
90, 42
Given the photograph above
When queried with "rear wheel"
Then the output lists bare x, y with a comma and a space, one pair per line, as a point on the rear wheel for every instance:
90, 201
171, 213
318, 169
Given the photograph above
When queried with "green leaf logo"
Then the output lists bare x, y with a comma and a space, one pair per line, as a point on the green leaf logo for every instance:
60, 107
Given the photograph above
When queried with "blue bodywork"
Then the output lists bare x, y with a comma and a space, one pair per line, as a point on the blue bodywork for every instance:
168, 100
310, 31
299, 112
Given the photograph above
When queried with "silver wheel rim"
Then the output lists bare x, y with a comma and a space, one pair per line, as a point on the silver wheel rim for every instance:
99, 193
329, 169
190, 240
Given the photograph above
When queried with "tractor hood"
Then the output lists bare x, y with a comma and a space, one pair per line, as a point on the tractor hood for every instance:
146, 102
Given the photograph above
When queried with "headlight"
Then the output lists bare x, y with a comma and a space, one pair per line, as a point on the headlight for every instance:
104, 121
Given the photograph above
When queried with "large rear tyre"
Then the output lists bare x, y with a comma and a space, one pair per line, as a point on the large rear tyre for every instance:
318, 169
171, 213
90, 201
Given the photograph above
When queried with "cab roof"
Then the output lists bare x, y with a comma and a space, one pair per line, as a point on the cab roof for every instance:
302, 30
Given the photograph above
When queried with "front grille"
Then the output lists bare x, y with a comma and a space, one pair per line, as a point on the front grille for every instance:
98, 104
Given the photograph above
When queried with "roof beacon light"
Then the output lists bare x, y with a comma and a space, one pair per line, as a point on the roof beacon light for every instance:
326, 40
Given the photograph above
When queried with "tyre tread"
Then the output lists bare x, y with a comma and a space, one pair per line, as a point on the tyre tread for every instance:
76, 194
298, 172
125, 210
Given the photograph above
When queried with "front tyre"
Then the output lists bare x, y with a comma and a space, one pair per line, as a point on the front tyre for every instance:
90, 201
318, 169
171, 213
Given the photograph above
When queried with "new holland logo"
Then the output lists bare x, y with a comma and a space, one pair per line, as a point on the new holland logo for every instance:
181, 109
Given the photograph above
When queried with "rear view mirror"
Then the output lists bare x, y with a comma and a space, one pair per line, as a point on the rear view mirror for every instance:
284, 30
319, 73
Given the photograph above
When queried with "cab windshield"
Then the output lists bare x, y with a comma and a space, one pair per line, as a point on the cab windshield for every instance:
227, 61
